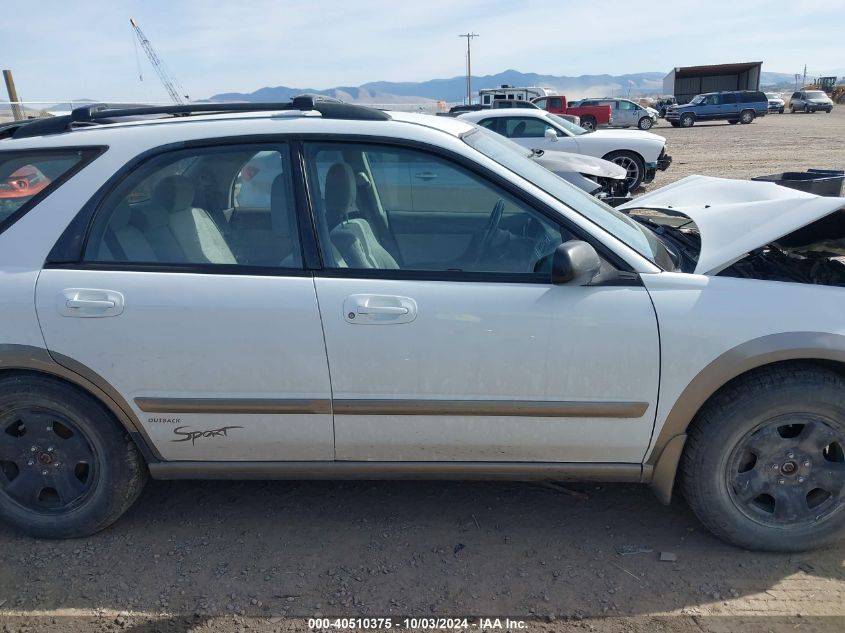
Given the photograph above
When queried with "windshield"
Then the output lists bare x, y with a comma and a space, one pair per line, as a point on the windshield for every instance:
816, 94
516, 158
772, 95
573, 129
698, 99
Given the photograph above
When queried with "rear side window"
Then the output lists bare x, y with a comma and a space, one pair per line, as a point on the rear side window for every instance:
751, 97
28, 177
728, 97
231, 205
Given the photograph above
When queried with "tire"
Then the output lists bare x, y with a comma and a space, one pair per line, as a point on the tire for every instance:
93, 465
687, 120
674, 123
733, 121
792, 109
588, 123
746, 117
645, 123
780, 111
633, 164
764, 465
806, 109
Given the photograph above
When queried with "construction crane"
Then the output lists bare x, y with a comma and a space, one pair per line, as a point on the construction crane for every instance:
155, 60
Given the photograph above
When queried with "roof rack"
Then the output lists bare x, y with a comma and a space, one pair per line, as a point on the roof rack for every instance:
102, 114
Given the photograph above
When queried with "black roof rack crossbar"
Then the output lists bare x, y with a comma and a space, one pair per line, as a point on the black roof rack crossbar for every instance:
100, 113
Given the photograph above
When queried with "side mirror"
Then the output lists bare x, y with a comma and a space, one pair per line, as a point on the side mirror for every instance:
575, 262
550, 134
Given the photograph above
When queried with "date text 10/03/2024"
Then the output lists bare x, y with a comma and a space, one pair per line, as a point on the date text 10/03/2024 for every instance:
504, 624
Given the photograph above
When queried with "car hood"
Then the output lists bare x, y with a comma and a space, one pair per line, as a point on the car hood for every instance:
579, 163
735, 217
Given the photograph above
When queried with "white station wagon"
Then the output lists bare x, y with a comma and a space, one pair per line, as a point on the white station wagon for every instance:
285, 291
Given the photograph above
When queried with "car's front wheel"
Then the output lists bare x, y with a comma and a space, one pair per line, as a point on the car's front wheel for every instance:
780, 111
792, 109
687, 120
645, 123
633, 164
67, 467
764, 465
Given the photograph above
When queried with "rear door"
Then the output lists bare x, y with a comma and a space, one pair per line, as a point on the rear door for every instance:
191, 301
448, 343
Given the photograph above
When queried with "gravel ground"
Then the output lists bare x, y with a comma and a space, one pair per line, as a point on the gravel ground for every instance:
265, 556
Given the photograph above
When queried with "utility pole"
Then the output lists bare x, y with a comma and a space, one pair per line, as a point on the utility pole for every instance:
17, 112
469, 37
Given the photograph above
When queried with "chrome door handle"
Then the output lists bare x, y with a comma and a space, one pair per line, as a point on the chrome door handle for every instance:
382, 310
82, 303
426, 175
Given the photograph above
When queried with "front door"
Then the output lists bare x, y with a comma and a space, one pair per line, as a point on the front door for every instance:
192, 303
446, 340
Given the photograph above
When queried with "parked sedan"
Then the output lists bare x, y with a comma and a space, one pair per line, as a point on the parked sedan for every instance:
626, 113
640, 153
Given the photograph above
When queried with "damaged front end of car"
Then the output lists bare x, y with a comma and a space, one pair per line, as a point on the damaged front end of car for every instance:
750, 230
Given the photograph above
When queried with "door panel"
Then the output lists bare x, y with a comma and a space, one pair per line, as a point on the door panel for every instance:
503, 346
237, 339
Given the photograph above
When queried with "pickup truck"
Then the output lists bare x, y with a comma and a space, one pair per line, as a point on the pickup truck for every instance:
591, 116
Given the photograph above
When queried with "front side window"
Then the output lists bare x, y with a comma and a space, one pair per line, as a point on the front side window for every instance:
221, 206
525, 127
711, 100
517, 159
698, 100
627, 105
390, 208
25, 175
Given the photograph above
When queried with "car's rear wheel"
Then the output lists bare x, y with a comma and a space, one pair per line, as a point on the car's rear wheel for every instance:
764, 465
792, 109
806, 109
588, 123
687, 120
67, 468
645, 123
733, 121
633, 164
746, 117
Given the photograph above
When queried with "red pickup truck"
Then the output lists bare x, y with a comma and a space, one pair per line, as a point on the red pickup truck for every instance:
591, 116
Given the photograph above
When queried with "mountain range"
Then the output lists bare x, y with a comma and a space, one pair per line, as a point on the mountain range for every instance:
454, 89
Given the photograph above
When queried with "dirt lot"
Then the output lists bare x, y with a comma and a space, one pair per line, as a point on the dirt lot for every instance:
238, 556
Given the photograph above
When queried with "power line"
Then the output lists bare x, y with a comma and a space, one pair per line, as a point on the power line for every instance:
469, 37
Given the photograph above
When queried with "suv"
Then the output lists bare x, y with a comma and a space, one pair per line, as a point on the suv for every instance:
319, 290
741, 106
625, 112
810, 101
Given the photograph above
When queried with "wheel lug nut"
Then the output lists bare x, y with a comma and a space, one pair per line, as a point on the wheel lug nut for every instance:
31, 462
775, 466
43, 472
33, 449
781, 481
806, 462
790, 454
800, 480
50, 449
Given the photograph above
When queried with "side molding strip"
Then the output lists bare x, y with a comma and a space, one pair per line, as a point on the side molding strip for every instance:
513, 471
526, 408
225, 405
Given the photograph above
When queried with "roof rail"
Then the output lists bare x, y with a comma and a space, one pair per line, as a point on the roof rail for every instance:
101, 114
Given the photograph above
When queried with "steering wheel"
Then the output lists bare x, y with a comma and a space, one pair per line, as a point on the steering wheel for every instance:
490, 231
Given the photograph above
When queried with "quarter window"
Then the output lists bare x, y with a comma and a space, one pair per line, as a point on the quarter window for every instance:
220, 206
388, 208
25, 175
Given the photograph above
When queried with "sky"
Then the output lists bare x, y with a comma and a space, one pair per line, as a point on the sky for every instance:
85, 49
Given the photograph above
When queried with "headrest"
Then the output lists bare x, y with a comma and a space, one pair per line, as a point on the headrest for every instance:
340, 192
174, 193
